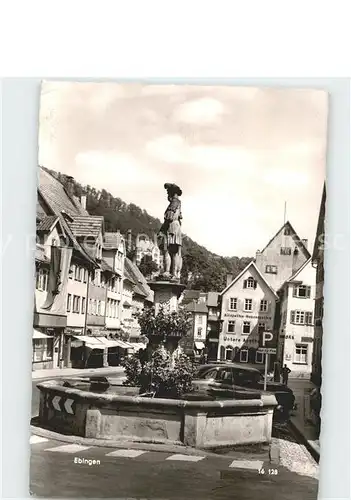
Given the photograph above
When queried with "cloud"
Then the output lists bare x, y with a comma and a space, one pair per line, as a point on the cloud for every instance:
202, 111
284, 178
119, 169
175, 150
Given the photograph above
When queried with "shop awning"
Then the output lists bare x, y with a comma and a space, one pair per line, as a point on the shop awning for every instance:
199, 345
39, 335
138, 345
92, 342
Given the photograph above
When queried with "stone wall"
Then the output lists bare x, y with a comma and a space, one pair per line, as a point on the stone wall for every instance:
200, 424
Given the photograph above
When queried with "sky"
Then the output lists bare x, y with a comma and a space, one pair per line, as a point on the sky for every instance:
238, 153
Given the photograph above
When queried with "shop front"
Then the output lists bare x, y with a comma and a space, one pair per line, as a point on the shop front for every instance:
48, 341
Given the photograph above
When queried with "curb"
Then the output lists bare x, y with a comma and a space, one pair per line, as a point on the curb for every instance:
139, 445
310, 447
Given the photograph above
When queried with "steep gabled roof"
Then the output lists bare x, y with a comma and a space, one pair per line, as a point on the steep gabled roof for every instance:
56, 197
190, 295
197, 307
106, 267
212, 299
47, 223
76, 246
288, 225
141, 286
295, 275
320, 224
112, 241
250, 264
87, 225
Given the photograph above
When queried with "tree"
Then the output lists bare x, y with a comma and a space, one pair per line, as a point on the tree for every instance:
147, 266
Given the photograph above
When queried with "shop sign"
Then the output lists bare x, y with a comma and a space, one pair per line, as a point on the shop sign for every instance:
248, 316
307, 339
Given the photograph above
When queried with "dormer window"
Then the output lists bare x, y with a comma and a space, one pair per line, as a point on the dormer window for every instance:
250, 283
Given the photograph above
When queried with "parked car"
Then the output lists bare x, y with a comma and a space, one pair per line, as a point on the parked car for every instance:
233, 380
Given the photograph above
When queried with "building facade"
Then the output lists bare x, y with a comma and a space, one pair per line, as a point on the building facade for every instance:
248, 305
318, 263
282, 257
296, 328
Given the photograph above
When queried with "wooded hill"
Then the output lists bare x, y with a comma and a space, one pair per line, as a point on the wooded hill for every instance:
202, 269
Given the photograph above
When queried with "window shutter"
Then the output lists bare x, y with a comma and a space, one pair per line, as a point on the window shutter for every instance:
255, 284
269, 305
245, 283
308, 292
292, 317
295, 291
228, 306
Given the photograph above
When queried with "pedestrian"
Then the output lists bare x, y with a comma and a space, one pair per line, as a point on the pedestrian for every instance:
285, 374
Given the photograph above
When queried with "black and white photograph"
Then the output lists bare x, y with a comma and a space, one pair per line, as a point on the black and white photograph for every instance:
179, 289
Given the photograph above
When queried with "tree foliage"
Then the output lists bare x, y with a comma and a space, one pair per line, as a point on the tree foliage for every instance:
164, 323
148, 266
168, 376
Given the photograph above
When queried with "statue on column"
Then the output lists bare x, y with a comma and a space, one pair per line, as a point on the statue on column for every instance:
170, 235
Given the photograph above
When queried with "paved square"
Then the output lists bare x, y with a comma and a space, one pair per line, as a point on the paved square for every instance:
126, 453
185, 458
69, 448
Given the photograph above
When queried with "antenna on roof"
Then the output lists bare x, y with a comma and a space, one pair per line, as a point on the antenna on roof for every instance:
284, 212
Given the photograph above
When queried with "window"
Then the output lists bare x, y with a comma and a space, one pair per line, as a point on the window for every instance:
200, 319
77, 273
85, 275
228, 355
97, 279
231, 326
69, 302
248, 305
233, 303
42, 279
285, 251
264, 306
108, 306
271, 269
246, 327
99, 307
211, 374
250, 283
261, 328
301, 317
302, 291
259, 358
301, 354
42, 349
90, 307
72, 271
76, 304
244, 356
199, 331
286, 231
83, 305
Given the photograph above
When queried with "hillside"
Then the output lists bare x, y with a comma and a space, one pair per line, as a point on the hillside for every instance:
202, 270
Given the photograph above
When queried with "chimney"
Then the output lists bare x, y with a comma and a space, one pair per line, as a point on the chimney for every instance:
83, 201
229, 279
305, 242
129, 240
70, 186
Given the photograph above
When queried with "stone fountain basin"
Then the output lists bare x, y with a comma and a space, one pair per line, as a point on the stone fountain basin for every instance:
119, 413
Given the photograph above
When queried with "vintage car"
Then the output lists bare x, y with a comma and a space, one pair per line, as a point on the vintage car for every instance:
234, 380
